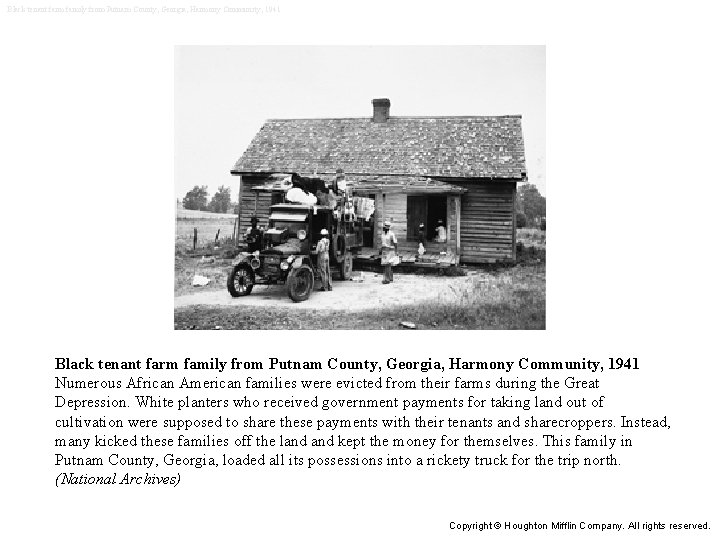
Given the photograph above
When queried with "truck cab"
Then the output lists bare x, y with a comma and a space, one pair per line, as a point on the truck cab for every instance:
288, 251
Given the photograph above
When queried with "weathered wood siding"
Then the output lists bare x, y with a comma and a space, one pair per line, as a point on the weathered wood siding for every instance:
391, 207
247, 205
451, 224
487, 222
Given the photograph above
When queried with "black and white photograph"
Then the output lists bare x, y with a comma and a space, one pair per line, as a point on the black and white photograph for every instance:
352, 187
359, 167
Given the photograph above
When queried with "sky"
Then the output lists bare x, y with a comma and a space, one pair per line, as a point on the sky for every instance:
224, 94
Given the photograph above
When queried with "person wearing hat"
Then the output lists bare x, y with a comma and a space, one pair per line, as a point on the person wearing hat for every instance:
323, 253
253, 236
387, 251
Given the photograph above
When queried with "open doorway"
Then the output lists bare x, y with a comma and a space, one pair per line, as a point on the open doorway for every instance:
436, 225
430, 211
416, 216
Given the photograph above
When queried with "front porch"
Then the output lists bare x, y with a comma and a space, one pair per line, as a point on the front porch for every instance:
432, 258
415, 207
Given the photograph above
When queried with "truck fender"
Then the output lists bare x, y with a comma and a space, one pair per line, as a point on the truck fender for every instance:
241, 257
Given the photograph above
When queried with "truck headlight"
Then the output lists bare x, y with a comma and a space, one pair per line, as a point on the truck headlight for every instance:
255, 264
297, 263
301, 234
284, 265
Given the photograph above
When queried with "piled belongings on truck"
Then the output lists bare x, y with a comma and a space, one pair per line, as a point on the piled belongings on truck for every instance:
309, 185
311, 191
281, 181
349, 211
364, 207
297, 195
308, 190
327, 199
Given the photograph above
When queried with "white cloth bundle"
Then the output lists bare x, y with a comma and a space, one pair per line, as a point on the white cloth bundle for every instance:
299, 196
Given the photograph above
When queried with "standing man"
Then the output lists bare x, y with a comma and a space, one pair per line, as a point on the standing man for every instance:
388, 251
253, 236
323, 253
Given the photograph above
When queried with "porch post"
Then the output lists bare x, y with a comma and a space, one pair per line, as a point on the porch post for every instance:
379, 204
457, 230
514, 223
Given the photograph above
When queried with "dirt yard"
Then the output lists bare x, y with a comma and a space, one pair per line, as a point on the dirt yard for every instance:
370, 293
510, 298
480, 298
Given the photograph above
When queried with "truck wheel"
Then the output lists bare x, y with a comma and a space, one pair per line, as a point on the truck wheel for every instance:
346, 266
300, 283
339, 248
240, 280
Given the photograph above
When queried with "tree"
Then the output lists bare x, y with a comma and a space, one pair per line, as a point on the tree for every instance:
531, 202
196, 198
520, 220
220, 203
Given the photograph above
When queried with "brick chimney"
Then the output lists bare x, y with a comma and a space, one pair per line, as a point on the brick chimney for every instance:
381, 110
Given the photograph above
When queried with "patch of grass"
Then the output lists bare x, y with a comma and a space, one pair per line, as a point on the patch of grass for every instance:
528, 255
531, 237
511, 299
207, 225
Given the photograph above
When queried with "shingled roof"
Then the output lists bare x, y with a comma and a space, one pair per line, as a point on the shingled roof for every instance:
457, 146
371, 183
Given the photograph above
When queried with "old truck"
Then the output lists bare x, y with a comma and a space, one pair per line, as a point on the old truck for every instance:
287, 251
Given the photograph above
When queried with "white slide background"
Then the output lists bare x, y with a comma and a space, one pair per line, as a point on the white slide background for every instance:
632, 176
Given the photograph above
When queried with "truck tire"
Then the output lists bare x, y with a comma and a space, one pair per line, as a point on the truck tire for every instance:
240, 280
339, 249
346, 266
300, 283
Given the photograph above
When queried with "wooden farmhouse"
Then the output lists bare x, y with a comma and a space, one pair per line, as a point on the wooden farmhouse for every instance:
455, 172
